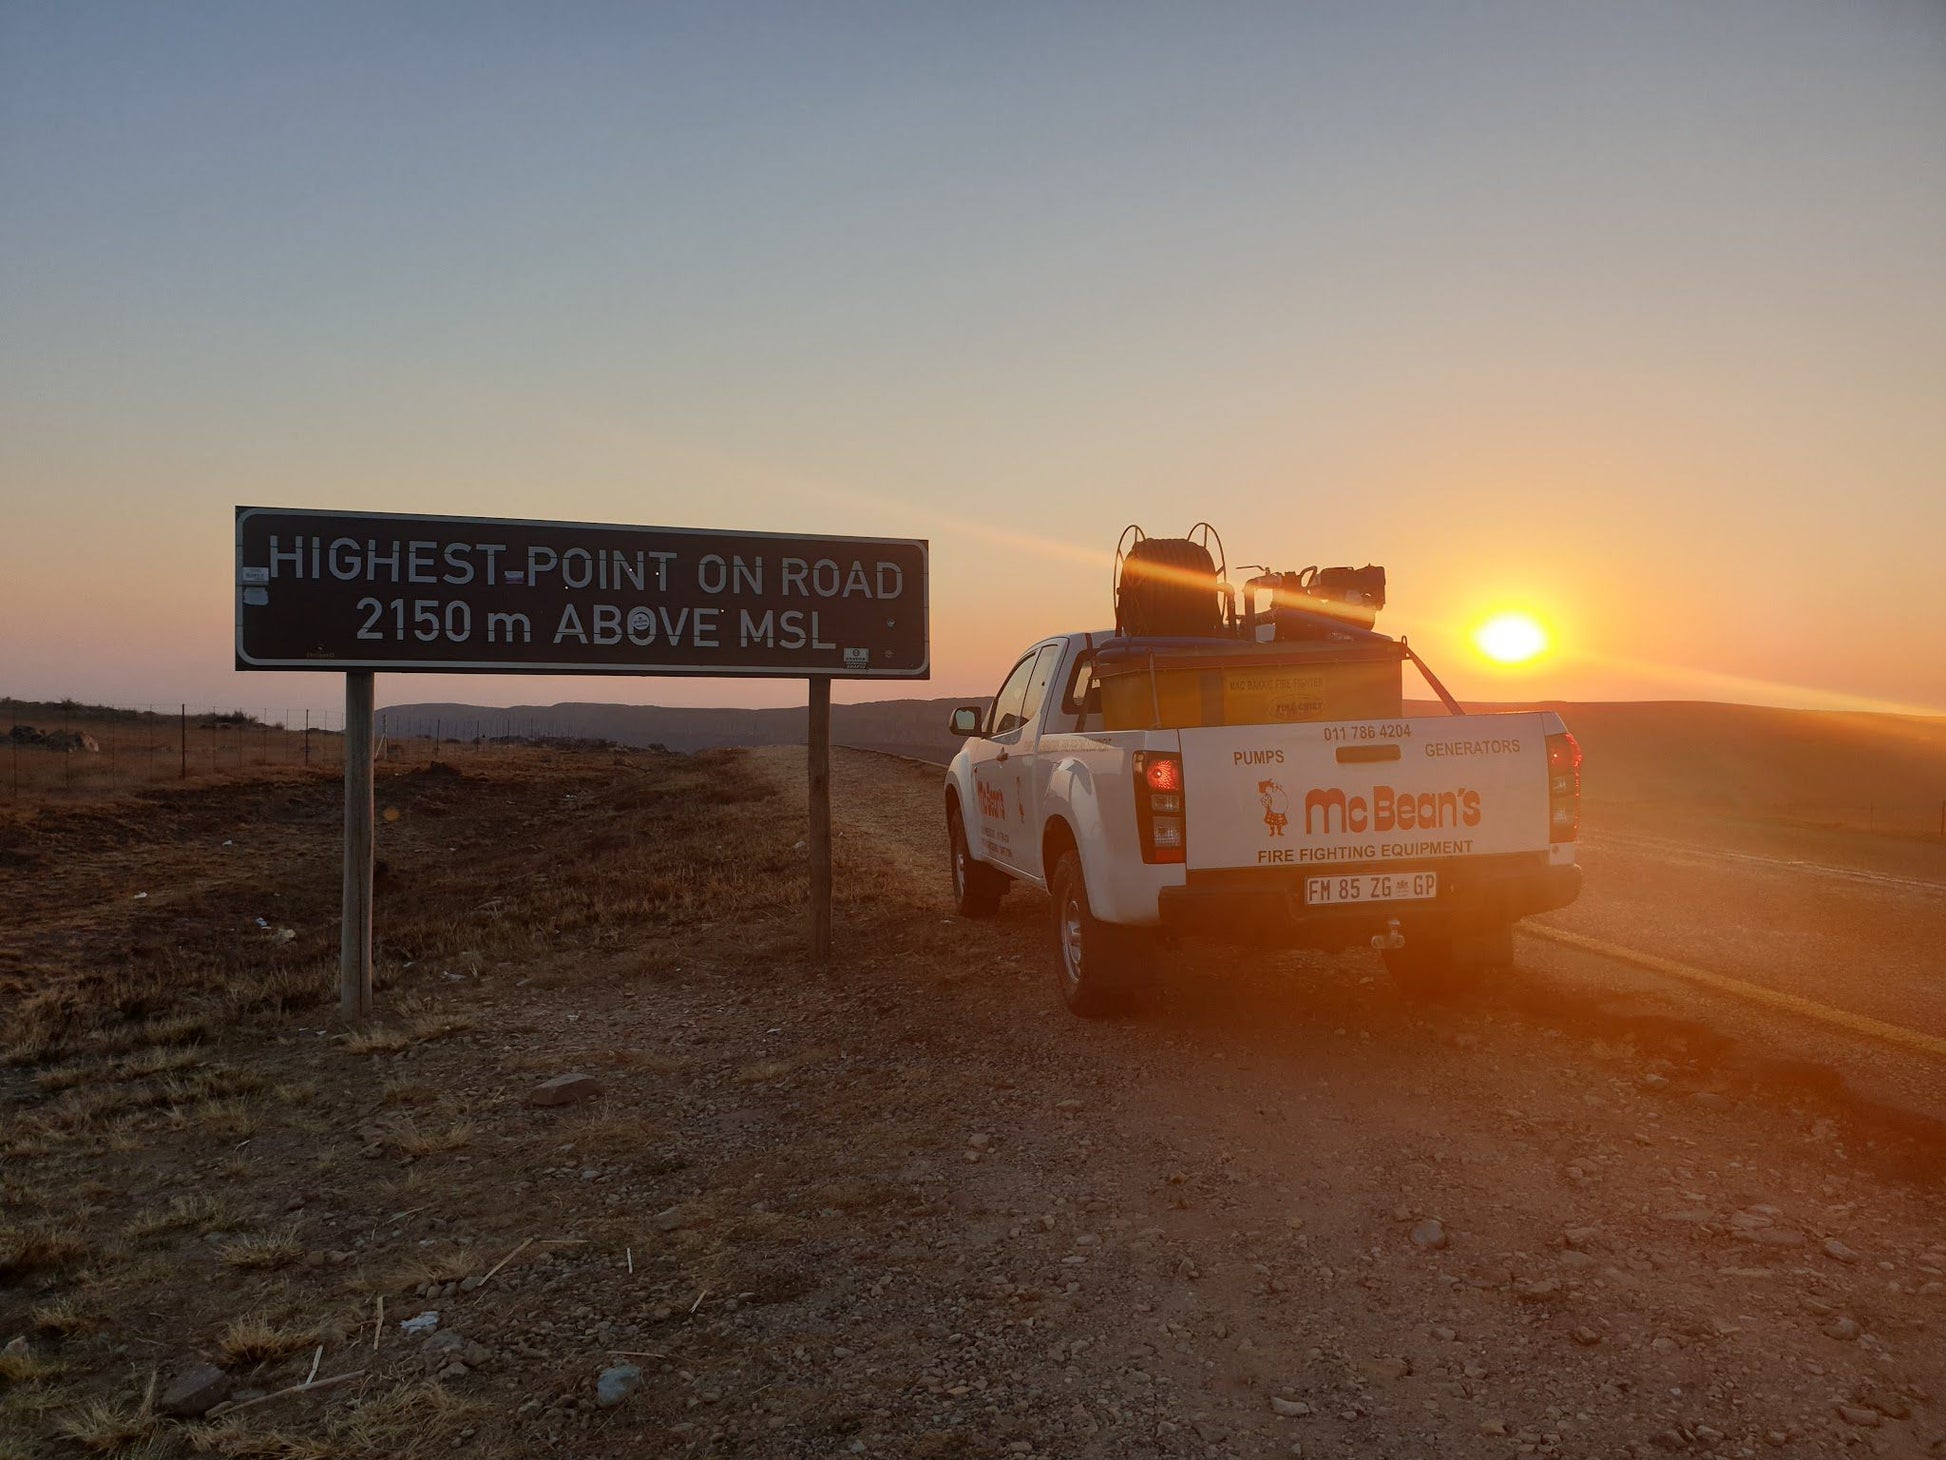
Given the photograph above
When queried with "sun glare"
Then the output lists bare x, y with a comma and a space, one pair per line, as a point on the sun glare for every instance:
1510, 638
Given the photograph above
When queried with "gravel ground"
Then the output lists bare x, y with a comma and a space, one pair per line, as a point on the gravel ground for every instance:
907, 1206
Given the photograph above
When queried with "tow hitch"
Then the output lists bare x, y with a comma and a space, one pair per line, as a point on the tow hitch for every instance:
1390, 938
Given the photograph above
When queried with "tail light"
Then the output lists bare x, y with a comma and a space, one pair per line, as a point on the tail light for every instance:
1563, 787
1158, 805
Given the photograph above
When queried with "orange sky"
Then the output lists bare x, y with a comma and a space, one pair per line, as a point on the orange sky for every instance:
1633, 321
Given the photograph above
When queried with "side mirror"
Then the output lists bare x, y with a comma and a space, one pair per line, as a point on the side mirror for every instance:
966, 720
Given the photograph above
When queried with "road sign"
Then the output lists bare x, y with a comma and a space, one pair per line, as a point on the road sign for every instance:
394, 592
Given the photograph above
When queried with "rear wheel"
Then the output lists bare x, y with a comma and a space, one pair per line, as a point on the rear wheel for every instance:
1096, 964
977, 888
1450, 964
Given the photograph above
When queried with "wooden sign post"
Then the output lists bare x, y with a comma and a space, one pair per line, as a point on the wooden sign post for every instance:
360, 592
355, 945
818, 738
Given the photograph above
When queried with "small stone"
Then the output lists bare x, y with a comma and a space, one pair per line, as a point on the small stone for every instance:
1493, 1427
1855, 1414
1429, 1235
673, 1219
1445, 1334
1837, 1251
1575, 1260
195, 1390
1841, 1328
564, 1090
1653, 1081
1541, 1290
1068, 1104
616, 1384
979, 1140
1586, 1336
1774, 1237
468, 1284
1776, 1438
1289, 1408
1580, 1238
424, 1322
1892, 1406
1384, 1368
17, 1347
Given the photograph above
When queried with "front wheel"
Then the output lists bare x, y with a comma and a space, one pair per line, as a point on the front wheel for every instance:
1096, 964
977, 888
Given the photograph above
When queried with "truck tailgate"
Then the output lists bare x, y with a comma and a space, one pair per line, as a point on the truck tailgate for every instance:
1346, 793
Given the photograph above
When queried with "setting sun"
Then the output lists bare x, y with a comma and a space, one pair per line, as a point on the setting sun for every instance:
1510, 638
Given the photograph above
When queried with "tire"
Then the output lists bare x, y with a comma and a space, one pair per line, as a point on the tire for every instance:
1449, 965
1097, 965
977, 888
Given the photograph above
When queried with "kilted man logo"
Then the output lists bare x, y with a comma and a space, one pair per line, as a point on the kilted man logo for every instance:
1276, 817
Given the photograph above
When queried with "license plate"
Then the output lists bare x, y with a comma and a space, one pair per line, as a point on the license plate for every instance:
1371, 887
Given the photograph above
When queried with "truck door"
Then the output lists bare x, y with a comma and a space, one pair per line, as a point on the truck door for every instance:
1029, 765
997, 820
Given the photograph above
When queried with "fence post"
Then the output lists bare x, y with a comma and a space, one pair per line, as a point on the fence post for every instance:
184, 725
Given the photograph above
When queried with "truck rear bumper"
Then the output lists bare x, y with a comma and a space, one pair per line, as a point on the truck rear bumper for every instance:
1267, 906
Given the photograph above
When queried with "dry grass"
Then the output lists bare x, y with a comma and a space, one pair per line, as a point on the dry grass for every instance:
429, 1265
236, 1440
377, 1040
200, 1211
410, 1419
31, 1251
25, 1367
229, 1120
101, 1427
414, 1142
267, 1251
423, 1020
404, 1089
66, 1077
64, 1318
257, 1339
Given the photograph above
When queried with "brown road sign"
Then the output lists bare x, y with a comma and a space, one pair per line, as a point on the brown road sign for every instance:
393, 592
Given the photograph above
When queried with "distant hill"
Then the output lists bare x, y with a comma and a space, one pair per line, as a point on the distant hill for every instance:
1887, 770
1862, 769
906, 727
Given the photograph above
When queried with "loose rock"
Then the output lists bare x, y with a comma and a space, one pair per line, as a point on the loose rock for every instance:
1429, 1234
195, 1390
564, 1090
616, 1384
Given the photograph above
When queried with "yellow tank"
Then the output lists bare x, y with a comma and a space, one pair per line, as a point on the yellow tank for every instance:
1180, 685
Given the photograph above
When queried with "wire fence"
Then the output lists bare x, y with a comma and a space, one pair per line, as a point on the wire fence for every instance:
62, 750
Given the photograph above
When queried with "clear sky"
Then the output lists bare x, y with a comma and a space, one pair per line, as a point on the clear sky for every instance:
1631, 316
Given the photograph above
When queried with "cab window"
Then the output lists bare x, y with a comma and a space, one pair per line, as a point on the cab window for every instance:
1084, 691
1007, 712
1045, 663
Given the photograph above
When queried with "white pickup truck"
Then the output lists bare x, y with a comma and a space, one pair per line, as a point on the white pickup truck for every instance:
1425, 836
